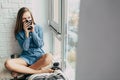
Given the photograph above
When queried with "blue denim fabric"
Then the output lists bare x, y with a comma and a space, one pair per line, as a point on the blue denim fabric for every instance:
32, 46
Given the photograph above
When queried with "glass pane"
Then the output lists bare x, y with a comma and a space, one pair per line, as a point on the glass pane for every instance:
56, 7
72, 37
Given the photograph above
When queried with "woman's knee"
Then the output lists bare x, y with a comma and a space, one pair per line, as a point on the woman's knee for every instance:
47, 58
9, 64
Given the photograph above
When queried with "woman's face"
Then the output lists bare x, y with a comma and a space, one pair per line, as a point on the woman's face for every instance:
26, 16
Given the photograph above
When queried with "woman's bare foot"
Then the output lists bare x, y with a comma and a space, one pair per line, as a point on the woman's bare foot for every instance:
15, 74
46, 71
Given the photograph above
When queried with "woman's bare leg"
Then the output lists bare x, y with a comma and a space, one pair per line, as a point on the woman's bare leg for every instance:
20, 66
42, 62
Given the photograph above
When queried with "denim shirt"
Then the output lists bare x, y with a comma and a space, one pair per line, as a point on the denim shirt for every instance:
31, 46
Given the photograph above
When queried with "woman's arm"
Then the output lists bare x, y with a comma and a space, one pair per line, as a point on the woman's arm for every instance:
24, 43
38, 37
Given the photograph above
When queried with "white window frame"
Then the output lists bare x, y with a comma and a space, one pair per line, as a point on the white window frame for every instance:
57, 27
59, 30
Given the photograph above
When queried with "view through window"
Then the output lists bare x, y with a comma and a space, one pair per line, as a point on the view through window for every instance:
72, 36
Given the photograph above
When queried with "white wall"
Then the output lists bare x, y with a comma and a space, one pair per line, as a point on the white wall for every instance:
98, 54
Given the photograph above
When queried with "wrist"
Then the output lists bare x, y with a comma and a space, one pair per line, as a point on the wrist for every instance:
27, 34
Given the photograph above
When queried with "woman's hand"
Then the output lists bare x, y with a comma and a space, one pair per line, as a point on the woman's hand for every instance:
25, 27
32, 30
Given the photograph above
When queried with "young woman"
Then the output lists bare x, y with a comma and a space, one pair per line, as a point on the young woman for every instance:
30, 38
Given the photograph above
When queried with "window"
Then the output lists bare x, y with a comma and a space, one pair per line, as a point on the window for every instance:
71, 38
64, 19
55, 15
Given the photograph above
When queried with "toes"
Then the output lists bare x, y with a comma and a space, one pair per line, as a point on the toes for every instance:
14, 74
51, 71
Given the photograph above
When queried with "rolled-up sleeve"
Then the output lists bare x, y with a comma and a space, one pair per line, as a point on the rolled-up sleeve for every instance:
38, 37
24, 43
